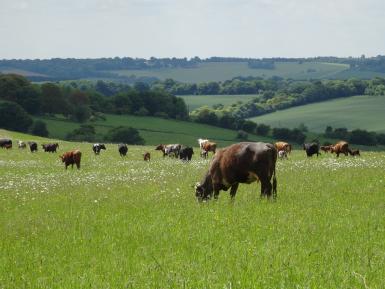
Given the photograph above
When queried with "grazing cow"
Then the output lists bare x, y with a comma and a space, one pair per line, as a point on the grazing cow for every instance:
282, 154
32, 146
326, 148
146, 156
209, 147
354, 153
5, 143
169, 150
243, 162
201, 142
122, 148
71, 158
186, 153
281, 145
342, 147
21, 144
51, 147
311, 149
97, 147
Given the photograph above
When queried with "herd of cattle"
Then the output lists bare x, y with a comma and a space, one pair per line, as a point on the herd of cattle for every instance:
243, 162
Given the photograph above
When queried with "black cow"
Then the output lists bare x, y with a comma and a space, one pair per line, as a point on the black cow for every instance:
51, 147
32, 146
311, 149
244, 162
186, 153
122, 148
5, 143
97, 147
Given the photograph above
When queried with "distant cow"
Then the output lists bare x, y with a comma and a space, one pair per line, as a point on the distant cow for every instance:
21, 144
97, 147
32, 146
186, 153
282, 154
71, 158
342, 147
311, 149
5, 143
169, 150
122, 148
209, 147
201, 142
51, 147
281, 145
146, 156
243, 162
326, 148
354, 153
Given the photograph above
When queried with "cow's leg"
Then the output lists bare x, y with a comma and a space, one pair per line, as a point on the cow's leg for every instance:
233, 190
338, 154
266, 187
216, 188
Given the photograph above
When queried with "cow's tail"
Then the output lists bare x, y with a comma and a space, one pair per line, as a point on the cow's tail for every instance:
274, 185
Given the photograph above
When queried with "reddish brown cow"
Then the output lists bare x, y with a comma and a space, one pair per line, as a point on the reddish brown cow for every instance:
146, 156
340, 147
243, 162
71, 158
326, 148
208, 147
283, 146
7, 146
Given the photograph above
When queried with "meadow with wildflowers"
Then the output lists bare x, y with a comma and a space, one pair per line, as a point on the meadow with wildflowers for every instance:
120, 222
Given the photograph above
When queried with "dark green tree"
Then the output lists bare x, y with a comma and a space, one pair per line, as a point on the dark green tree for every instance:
126, 135
39, 128
14, 117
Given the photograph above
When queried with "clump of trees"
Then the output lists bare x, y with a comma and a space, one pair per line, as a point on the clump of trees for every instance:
128, 135
356, 136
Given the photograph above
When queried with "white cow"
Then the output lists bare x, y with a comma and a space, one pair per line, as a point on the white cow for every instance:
282, 154
21, 144
202, 142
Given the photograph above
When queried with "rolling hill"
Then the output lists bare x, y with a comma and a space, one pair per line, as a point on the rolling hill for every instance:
364, 112
220, 71
153, 130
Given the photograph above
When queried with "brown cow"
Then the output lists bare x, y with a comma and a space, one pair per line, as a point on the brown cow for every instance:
340, 147
354, 153
71, 158
243, 162
208, 147
326, 148
146, 156
281, 145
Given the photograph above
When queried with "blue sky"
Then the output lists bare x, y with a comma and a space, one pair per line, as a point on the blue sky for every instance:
182, 28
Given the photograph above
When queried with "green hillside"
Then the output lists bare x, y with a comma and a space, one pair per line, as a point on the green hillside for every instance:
195, 101
364, 112
120, 222
153, 130
220, 71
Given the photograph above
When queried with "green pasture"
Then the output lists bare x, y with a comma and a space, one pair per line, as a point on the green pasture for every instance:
196, 101
120, 222
221, 71
153, 130
363, 112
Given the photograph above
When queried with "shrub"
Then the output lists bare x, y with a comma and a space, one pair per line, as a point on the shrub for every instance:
39, 128
126, 135
14, 117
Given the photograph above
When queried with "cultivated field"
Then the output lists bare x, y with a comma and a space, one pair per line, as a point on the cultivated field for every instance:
124, 223
196, 101
153, 130
364, 112
221, 71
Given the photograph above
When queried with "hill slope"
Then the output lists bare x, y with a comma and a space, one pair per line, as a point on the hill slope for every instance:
153, 130
364, 112
220, 71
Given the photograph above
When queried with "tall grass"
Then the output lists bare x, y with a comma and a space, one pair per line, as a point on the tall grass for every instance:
125, 223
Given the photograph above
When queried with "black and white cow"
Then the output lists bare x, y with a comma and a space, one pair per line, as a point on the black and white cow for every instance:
32, 146
97, 147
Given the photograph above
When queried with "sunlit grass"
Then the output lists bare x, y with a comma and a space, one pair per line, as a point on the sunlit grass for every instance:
125, 223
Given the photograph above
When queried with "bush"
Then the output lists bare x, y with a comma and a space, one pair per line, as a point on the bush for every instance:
39, 128
262, 129
242, 135
14, 117
126, 135
81, 113
83, 133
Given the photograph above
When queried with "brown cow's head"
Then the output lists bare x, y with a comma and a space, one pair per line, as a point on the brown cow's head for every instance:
204, 190
62, 158
160, 148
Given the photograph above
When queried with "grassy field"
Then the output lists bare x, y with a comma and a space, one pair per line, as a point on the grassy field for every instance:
153, 130
195, 101
364, 112
216, 71
124, 223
